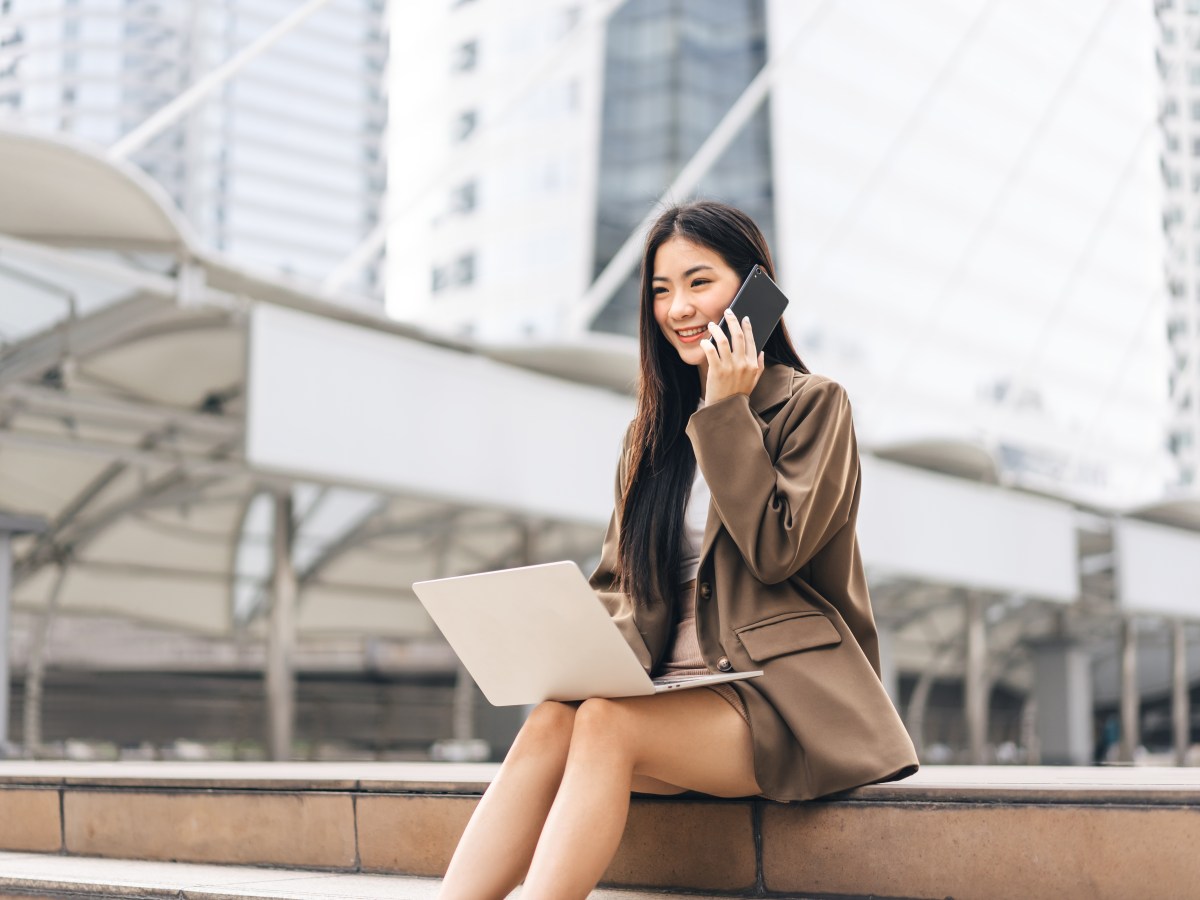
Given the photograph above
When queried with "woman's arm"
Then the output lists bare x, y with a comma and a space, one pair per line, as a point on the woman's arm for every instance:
781, 513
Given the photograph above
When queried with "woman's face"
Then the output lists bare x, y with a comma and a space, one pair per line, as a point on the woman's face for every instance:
692, 286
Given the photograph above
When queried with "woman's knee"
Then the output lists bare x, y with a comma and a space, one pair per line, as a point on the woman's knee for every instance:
546, 729
602, 723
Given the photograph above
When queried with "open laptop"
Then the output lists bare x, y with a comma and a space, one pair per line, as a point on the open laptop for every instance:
540, 633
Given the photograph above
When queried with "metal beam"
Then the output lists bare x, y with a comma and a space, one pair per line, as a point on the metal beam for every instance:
152, 283
43, 401
81, 338
192, 462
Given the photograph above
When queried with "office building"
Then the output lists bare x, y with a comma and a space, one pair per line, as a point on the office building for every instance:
1178, 58
281, 168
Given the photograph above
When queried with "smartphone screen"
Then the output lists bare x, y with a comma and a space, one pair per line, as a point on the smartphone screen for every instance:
760, 299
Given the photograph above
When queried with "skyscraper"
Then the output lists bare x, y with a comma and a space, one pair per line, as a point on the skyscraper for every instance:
282, 167
1178, 56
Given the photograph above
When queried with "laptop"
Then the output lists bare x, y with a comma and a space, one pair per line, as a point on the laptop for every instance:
540, 633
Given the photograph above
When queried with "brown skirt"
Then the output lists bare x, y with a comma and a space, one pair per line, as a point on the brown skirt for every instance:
684, 657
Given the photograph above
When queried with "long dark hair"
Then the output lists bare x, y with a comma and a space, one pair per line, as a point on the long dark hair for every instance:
662, 464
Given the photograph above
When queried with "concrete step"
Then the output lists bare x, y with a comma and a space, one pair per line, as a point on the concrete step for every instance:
40, 875
966, 832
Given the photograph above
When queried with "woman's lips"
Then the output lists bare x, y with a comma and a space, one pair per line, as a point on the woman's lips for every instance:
692, 338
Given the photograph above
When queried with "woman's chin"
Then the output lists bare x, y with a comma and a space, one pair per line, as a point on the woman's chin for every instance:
692, 354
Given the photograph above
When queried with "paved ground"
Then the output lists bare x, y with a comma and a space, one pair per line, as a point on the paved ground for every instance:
28, 873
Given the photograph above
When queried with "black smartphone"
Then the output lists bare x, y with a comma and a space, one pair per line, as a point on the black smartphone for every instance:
760, 299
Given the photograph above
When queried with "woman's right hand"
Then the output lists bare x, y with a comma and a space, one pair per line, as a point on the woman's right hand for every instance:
733, 367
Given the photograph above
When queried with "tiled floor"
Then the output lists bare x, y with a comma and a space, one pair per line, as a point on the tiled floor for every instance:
28, 873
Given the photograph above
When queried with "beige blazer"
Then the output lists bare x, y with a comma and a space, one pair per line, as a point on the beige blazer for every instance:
781, 587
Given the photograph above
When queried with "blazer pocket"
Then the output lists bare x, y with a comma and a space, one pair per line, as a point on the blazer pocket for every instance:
789, 633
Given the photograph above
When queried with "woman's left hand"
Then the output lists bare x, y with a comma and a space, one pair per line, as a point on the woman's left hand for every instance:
732, 366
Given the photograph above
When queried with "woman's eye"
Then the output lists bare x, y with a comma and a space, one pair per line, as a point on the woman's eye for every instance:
700, 281
660, 290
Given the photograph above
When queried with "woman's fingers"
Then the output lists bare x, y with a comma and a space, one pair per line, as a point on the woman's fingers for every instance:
720, 342
748, 336
737, 338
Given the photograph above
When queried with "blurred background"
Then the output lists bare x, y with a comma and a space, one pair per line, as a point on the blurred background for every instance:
303, 302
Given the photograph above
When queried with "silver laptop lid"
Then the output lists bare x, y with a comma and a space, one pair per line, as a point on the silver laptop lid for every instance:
534, 633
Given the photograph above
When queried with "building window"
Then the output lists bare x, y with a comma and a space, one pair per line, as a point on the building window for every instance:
464, 125
466, 57
464, 198
459, 273
464, 269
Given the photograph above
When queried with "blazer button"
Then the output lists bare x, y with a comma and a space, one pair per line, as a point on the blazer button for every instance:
705, 590
724, 664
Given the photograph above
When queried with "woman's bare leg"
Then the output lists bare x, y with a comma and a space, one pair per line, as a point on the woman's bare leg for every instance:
692, 739
494, 852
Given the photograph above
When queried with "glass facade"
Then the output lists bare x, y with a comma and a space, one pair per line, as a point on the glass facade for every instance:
672, 69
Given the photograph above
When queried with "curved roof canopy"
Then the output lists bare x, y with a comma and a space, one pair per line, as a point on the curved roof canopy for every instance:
60, 191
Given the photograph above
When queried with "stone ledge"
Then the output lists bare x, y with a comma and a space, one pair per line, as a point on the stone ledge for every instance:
964, 831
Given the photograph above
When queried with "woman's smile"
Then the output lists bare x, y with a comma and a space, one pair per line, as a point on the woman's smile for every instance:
690, 335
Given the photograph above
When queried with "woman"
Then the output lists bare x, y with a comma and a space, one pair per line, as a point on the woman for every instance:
765, 575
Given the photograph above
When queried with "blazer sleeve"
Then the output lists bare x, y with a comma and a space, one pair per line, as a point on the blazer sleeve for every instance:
780, 513
604, 580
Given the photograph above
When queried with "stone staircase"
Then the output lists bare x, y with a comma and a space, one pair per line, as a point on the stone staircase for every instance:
387, 829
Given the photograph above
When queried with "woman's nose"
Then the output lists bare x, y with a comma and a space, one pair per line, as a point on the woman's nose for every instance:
681, 309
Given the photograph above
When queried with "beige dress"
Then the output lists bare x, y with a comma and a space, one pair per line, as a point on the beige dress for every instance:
684, 657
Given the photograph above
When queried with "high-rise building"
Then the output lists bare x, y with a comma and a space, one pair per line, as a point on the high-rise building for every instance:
282, 168
546, 131
671, 71
1178, 56
963, 216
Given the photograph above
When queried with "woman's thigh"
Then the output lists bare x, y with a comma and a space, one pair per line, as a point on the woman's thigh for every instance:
680, 741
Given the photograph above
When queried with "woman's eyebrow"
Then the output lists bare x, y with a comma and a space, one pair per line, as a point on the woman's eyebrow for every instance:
693, 270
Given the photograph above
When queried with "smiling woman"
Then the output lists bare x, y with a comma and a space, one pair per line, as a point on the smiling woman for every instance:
731, 548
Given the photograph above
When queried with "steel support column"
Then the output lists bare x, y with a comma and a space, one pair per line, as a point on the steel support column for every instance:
1129, 690
5, 616
887, 660
280, 677
9, 525
975, 679
1180, 711
1062, 697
